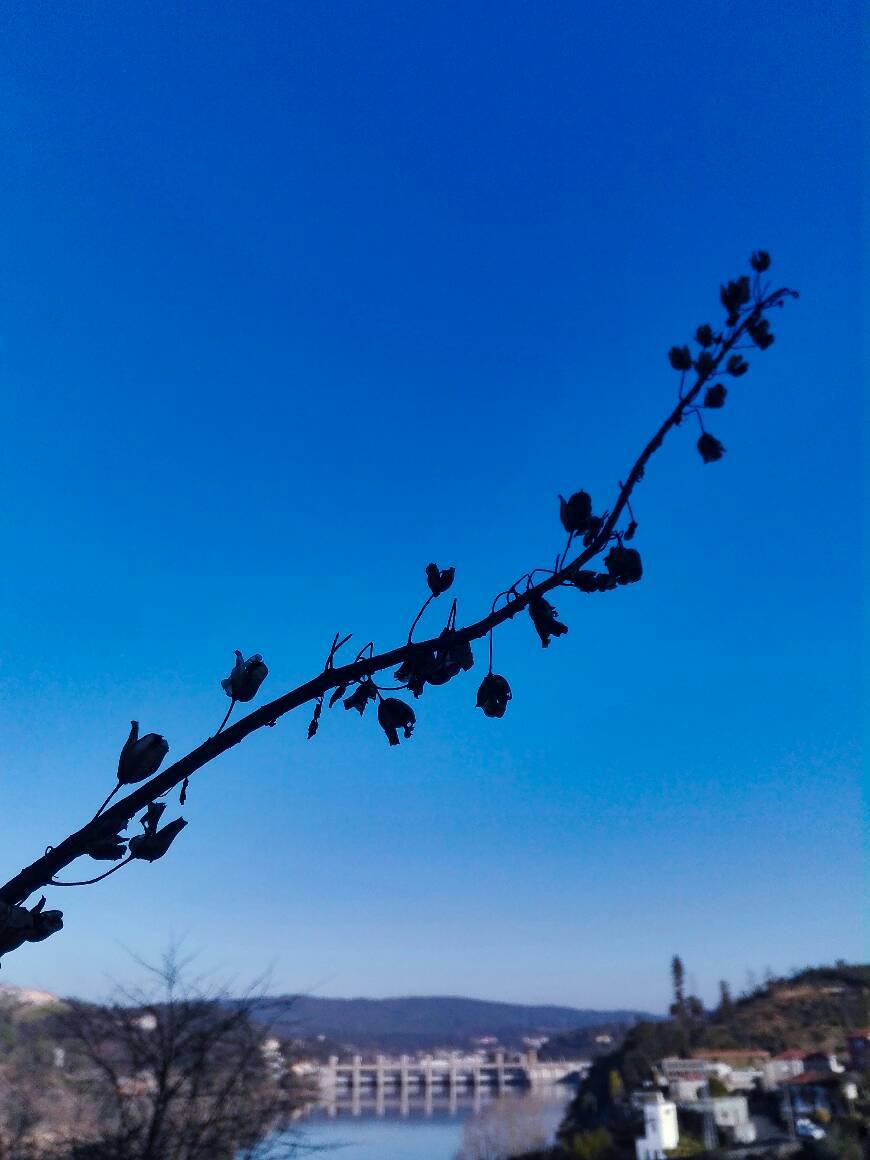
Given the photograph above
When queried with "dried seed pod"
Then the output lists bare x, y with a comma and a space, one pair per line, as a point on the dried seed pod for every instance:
360, 697
140, 756
680, 358
715, 396
493, 695
439, 579
154, 843
624, 564
245, 679
394, 715
576, 512
760, 261
545, 619
710, 447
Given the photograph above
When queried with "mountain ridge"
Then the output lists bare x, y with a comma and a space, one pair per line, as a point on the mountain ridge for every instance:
416, 1022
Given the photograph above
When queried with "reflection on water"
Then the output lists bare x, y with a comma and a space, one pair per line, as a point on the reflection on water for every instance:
461, 1126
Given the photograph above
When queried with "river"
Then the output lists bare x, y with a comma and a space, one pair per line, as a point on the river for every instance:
466, 1128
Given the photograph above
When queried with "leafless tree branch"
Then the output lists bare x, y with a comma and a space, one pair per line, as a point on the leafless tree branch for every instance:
746, 301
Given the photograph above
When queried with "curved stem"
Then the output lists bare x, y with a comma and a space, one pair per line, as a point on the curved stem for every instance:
90, 881
106, 802
426, 604
221, 726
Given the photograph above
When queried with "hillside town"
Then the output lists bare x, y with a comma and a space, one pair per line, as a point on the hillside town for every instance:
743, 1097
781, 1071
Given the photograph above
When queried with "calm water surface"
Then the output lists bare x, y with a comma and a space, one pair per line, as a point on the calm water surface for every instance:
467, 1129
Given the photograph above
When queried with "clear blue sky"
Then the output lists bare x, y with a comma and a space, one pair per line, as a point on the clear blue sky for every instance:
297, 297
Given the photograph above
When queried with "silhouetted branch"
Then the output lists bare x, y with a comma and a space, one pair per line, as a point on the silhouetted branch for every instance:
438, 659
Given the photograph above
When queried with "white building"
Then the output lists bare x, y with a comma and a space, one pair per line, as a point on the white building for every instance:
660, 1127
784, 1066
687, 1078
731, 1113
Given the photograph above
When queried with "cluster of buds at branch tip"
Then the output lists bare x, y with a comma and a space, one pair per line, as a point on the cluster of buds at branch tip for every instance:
245, 679
741, 297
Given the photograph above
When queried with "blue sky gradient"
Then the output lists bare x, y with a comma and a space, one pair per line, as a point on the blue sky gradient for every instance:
296, 298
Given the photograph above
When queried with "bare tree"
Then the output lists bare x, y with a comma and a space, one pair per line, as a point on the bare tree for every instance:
702, 374
178, 1069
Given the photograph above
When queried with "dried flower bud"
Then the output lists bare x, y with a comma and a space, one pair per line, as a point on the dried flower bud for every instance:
545, 619
360, 697
45, 924
416, 669
108, 849
760, 261
624, 564
453, 655
710, 447
337, 694
584, 580
439, 580
394, 715
141, 756
576, 512
19, 925
493, 695
759, 332
705, 363
734, 296
715, 396
154, 843
737, 365
16, 925
592, 530
704, 335
680, 358
630, 530
315, 718
245, 679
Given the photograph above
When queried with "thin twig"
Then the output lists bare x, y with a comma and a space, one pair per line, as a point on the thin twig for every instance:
90, 881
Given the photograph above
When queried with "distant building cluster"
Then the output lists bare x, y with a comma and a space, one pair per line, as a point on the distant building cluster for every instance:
713, 1088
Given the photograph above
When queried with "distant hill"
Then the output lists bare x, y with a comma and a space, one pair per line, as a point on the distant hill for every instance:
424, 1022
11, 996
812, 1010
815, 1008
